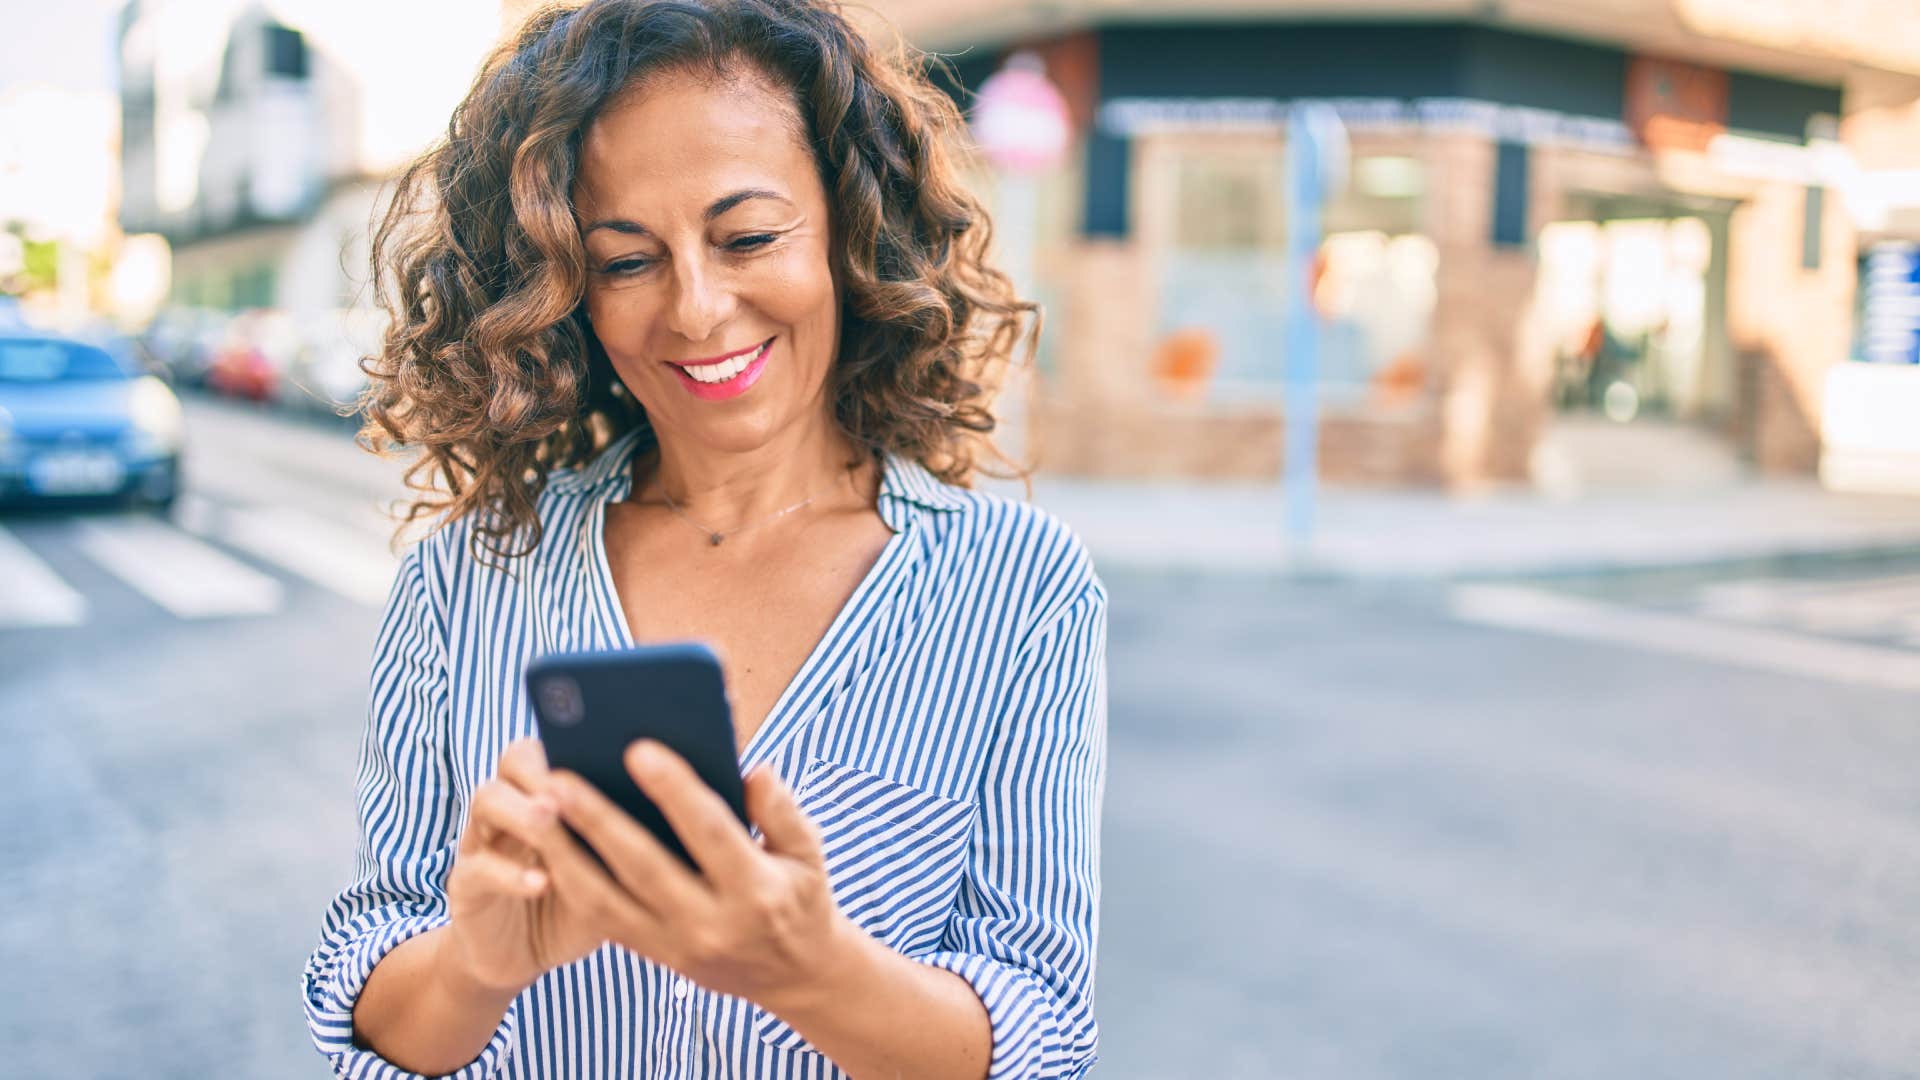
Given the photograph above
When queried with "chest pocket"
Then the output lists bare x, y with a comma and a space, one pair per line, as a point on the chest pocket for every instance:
895, 855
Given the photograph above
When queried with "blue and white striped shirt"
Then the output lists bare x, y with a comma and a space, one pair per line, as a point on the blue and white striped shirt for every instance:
948, 734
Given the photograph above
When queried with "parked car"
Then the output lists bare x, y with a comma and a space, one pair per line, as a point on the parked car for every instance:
325, 375
252, 359
183, 341
78, 420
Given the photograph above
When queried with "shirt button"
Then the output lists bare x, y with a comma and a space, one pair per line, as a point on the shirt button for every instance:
680, 990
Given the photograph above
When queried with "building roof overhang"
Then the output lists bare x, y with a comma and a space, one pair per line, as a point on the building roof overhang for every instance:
1811, 40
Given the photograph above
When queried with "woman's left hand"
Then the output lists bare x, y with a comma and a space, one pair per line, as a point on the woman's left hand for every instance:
756, 921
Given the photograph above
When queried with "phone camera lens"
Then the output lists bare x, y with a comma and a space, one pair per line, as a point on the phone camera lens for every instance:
560, 701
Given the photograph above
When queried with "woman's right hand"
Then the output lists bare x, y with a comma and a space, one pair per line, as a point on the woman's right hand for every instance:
508, 923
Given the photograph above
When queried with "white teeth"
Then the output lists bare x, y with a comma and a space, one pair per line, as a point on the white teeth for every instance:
725, 369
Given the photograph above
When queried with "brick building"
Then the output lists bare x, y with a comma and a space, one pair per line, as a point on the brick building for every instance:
1650, 210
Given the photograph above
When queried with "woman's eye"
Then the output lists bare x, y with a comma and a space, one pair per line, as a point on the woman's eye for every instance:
623, 267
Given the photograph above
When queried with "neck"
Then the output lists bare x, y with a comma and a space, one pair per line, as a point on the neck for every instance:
724, 489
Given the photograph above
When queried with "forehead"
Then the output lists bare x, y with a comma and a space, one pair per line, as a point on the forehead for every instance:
680, 138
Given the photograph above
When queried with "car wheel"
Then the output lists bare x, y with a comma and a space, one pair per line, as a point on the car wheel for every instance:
159, 497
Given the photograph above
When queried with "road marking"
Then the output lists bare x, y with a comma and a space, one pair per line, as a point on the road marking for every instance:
1516, 607
1871, 606
197, 514
333, 555
187, 577
31, 594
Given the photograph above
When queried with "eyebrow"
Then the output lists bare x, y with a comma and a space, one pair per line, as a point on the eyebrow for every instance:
720, 206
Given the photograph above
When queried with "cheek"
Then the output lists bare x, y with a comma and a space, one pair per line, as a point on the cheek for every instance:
621, 319
799, 289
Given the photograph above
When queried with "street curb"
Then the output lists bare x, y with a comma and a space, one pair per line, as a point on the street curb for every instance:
1311, 572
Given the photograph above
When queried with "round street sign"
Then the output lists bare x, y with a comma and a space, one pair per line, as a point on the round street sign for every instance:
1019, 118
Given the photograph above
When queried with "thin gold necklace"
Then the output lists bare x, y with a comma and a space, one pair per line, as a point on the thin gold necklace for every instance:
716, 536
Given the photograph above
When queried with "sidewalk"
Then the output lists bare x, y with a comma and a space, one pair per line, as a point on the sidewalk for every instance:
1657, 498
1426, 535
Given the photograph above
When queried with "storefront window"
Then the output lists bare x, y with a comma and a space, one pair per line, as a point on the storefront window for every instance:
1229, 202
1376, 292
1223, 312
1624, 303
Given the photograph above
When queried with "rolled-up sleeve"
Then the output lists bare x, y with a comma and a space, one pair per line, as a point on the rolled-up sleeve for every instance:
410, 817
1026, 918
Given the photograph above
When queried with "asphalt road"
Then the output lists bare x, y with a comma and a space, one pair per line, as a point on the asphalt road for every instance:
1657, 827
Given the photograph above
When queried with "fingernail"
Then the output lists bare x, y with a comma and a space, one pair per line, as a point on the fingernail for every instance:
534, 879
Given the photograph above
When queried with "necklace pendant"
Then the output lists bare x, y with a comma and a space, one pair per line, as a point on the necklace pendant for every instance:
714, 539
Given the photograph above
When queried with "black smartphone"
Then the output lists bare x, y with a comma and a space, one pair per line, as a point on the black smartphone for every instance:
591, 706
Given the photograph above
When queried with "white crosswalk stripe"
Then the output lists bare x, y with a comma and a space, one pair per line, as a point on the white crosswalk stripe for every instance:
31, 594
1764, 648
186, 576
1884, 607
196, 514
180, 564
340, 557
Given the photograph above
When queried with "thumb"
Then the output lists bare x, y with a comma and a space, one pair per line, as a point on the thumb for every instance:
786, 827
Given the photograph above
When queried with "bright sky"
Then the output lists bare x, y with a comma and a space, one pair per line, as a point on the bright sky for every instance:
70, 45
59, 106
414, 60
58, 115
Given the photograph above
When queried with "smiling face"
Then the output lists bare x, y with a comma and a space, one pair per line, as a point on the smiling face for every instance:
709, 278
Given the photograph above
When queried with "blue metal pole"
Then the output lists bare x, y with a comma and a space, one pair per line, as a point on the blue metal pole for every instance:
1306, 194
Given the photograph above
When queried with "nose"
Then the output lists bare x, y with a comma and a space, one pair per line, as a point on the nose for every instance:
701, 302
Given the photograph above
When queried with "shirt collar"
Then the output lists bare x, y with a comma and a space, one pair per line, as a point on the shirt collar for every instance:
902, 478
906, 479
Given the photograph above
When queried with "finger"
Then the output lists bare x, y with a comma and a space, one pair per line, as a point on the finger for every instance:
496, 874
529, 826
524, 765
474, 836
522, 853
540, 840
482, 835
510, 821
701, 819
613, 912
640, 863
787, 828
528, 835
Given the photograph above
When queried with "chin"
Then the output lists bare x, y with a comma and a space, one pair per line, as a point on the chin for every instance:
735, 434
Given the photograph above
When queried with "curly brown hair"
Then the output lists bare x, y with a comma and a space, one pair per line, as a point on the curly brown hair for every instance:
489, 366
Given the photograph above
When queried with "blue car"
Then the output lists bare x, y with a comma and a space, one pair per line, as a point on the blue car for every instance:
78, 421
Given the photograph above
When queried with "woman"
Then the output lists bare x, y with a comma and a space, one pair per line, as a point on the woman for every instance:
693, 325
